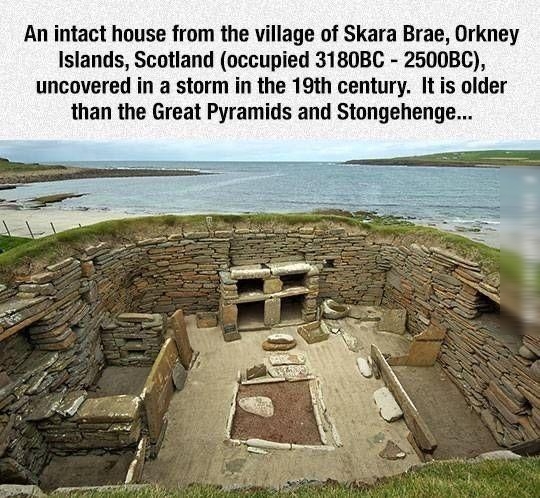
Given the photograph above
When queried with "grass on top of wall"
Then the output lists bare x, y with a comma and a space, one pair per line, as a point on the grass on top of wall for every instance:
452, 479
28, 257
8, 243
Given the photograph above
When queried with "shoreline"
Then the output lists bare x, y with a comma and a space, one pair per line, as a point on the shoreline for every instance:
40, 220
9, 179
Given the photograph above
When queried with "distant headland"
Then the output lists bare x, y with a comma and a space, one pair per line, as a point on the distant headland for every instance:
16, 173
469, 159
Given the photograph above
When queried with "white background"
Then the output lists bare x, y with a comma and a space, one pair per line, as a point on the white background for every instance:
25, 115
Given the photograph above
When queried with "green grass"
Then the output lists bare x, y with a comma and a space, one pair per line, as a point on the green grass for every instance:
469, 158
8, 243
126, 230
489, 479
14, 167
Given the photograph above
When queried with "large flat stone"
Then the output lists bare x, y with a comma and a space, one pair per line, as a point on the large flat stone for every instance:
249, 271
393, 321
258, 405
294, 268
109, 409
389, 410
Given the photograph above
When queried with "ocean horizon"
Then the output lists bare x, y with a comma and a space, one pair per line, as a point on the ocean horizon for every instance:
466, 196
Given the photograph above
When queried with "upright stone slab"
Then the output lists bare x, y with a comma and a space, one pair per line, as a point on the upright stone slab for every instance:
159, 389
272, 311
181, 338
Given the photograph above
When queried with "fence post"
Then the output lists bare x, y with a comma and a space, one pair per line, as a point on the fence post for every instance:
29, 229
7, 229
53, 229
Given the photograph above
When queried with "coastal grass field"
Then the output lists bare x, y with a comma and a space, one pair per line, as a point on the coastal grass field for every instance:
8, 243
469, 158
452, 479
7, 166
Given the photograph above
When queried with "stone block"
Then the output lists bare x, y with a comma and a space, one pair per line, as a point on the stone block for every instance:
229, 315
393, 321
313, 332
272, 311
249, 272
272, 285
389, 410
108, 409
256, 371
206, 319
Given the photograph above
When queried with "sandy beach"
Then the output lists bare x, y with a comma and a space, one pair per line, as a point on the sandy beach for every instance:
63, 219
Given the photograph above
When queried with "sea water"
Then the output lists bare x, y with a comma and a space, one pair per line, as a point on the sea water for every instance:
438, 194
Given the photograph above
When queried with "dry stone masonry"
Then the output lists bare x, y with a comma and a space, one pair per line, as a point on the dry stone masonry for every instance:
121, 306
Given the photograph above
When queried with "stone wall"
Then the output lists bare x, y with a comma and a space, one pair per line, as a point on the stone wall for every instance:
451, 293
132, 338
53, 325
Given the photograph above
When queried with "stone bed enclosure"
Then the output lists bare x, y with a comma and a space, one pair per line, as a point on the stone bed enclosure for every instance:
124, 306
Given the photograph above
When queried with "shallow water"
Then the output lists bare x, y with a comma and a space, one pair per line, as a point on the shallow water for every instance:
457, 195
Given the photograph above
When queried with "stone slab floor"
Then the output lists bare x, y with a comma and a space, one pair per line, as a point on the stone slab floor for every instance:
459, 431
194, 449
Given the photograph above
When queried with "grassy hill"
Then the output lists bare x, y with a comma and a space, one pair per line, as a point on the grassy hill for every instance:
7, 166
477, 158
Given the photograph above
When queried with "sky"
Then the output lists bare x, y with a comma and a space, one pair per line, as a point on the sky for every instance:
237, 150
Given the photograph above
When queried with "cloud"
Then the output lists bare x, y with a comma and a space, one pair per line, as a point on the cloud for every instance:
236, 150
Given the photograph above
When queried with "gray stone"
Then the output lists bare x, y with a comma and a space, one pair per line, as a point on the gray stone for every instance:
287, 359
294, 268
527, 353
256, 371
334, 310
393, 321
290, 372
363, 367
392, 452
258, 405
388, 407
498, 455
71, 403
351, 342
248, 272
179, 376
20, 491
535, 370
280, 338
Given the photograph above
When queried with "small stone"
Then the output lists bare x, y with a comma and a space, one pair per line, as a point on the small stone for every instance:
258, 405
364, 367
71, 403
280, 338
268, 346
535, 370
526, 353
287, 359
498, 455
290, 372
389, 410
256, 371
351, 342
392, 452
257, 451
179, 376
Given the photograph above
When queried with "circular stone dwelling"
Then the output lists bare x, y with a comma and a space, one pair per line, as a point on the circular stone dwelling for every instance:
131, 359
